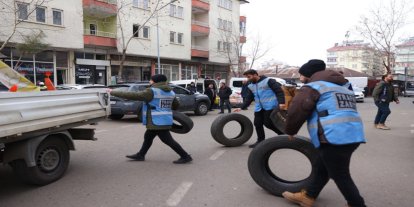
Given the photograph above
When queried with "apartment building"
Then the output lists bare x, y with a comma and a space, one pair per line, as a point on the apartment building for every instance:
405, 57
192, 38
355, 55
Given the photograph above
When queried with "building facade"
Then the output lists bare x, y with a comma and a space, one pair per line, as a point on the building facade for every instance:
404, 60
111, 41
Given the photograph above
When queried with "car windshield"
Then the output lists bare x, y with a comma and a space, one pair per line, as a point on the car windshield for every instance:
237, 84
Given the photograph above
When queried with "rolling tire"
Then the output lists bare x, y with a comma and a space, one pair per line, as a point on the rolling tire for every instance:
278, 118
201, 109
185, 123
52, 160
258, 164
116, 116
217, 130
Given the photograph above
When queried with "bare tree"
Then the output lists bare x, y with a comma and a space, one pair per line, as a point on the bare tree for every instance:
231, 49
123, 13
381, 26
10, 9
257, 49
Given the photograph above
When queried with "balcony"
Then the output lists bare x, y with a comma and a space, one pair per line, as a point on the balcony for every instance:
200, 6
100, 8
242, 39
197, 51
99, 38
199, 28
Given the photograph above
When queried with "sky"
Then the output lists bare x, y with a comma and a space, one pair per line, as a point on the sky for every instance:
299, 30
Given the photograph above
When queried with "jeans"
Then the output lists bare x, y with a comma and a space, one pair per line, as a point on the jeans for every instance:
333, 163
263, 118
383, 112
225, 102
165, 137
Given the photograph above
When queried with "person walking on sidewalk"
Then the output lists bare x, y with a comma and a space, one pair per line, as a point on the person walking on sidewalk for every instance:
335, 128
383, 95
159, 100
211, 93
224, 94
268, 95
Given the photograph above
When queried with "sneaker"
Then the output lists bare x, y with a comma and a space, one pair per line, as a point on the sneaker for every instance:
221, 113
299, 198
383, 127
136, 157
183, 160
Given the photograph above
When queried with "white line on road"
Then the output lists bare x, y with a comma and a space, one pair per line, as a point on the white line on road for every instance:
216, 155
179, 194
127, 126
100, 131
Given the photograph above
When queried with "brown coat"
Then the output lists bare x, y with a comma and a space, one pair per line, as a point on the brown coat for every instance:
305, 100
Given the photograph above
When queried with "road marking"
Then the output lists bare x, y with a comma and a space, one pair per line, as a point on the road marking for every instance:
127, 126
179, 194
216, 155
100, 131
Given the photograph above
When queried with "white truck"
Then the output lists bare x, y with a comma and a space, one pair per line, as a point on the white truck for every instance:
37, 129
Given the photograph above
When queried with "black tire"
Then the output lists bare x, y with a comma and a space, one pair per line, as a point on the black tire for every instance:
217, 130
201, 109
278, 118
185, 123
116, 116
52, 160
261, 173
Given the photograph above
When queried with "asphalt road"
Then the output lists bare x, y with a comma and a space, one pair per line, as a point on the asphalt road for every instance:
100, 175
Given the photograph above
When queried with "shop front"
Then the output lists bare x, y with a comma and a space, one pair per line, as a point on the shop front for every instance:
89, 71
134, 69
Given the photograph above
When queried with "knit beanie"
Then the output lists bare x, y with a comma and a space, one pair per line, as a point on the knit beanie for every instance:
159, 78
311, 67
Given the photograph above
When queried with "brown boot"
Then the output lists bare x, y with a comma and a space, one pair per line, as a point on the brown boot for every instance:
299, 198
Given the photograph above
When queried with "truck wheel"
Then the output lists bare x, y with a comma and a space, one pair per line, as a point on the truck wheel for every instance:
52, 160
262, 174
217, 130
116, 116
201, 109
182, 123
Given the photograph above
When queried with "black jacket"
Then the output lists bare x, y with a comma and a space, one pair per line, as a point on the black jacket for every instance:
225, 92
245, 90
211, 93
276, 88
191, 88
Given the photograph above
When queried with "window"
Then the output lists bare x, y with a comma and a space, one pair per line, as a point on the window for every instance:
57, 17
178, 90
229, 47
172, 37
220, 23
146, 32
135, 30
22, 11
224, 46
227, 4
225, 25
176, 11
219, 45
143, 4
92, 29
180, 12
180, 38
41, 14
229, 26
173, 9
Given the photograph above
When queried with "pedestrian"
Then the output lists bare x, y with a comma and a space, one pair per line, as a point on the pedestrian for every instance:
211, 93
383, 95
159, 100
245, 91
224, 94
192, 87
268, 95
335, 128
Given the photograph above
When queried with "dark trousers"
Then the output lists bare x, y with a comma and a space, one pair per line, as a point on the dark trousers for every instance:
165, 137
212, 104
333, 163
383, 112
225, 102
262, 118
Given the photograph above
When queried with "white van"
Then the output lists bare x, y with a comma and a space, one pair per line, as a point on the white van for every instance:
201, 84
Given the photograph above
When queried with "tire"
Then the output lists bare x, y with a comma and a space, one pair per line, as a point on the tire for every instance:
46, 170
278, 118
201, 109
217, 130
185, 123
116, 116
258, 164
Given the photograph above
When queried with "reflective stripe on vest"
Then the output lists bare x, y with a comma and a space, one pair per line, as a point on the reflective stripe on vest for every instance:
159, 108
264, 96
337, 115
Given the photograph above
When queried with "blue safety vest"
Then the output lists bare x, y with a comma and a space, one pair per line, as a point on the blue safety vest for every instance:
159, 108
337, 114
264, 97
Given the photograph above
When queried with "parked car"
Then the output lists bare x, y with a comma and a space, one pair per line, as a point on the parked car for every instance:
199, 103
201, 84
409, 89
359, 94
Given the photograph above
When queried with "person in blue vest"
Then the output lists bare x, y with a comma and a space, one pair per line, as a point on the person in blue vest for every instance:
268, 95
159, 100
335, 128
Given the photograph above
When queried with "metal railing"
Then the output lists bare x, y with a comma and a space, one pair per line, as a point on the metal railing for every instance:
114, 2
99, 33
201, 48
204, 24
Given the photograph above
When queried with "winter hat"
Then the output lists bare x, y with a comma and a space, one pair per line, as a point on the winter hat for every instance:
311, 67
159, 78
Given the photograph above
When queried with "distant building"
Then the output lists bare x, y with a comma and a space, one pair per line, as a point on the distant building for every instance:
405, 57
